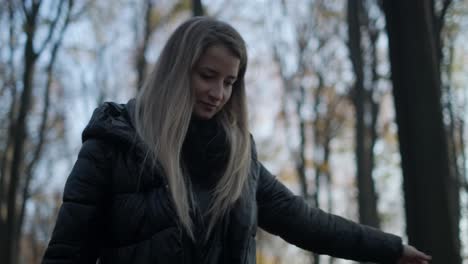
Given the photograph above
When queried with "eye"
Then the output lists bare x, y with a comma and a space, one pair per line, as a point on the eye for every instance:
206, 76
228, 83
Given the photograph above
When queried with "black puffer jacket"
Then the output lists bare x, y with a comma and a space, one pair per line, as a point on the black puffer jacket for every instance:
108, 215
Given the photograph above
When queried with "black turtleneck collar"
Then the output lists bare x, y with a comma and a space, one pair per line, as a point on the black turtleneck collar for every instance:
205, 150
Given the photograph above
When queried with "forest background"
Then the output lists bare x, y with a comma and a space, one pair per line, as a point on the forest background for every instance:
359, 106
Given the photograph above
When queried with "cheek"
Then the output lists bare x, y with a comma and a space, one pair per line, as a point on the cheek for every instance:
227, 95
198, 87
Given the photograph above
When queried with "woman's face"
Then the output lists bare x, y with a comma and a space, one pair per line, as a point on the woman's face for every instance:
212, 80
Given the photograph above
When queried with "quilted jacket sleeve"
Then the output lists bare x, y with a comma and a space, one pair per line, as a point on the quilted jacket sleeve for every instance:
282, 213
75, 238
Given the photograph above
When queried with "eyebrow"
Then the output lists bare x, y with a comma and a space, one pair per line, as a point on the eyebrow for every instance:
210, 70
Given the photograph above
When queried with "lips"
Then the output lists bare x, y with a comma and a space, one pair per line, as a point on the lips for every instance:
209, 105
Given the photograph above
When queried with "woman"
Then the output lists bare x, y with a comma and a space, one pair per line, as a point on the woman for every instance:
173, 176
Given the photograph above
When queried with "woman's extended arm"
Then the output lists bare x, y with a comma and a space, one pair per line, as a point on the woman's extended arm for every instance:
75, 238
282, 213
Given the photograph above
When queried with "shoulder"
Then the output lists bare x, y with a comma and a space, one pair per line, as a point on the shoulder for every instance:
110, 122
98, 151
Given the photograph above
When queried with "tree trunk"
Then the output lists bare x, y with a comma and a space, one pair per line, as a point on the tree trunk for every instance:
300, 163
29, 170
17, 168
4, 153
197, 8
141, 63
19, 140
364, 131
326, 160
429, 189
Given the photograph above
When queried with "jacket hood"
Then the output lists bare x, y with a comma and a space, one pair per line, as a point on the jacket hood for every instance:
112, 122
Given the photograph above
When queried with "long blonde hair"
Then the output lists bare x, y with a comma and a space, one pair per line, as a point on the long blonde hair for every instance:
164, 107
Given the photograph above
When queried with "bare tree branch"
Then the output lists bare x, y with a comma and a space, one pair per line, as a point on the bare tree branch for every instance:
45, 112
10, 241
51, 30
25, 10
81, 11
11, 114
443, 12
140, 56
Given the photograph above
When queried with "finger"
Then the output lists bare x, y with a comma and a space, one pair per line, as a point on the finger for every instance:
423, 256
426, 257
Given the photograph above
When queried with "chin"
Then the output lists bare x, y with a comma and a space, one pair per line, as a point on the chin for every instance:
204, 116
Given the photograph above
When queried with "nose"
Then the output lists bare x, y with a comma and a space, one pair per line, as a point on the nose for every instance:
216, 92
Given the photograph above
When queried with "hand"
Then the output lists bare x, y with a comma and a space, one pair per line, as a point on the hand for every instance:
413, 256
